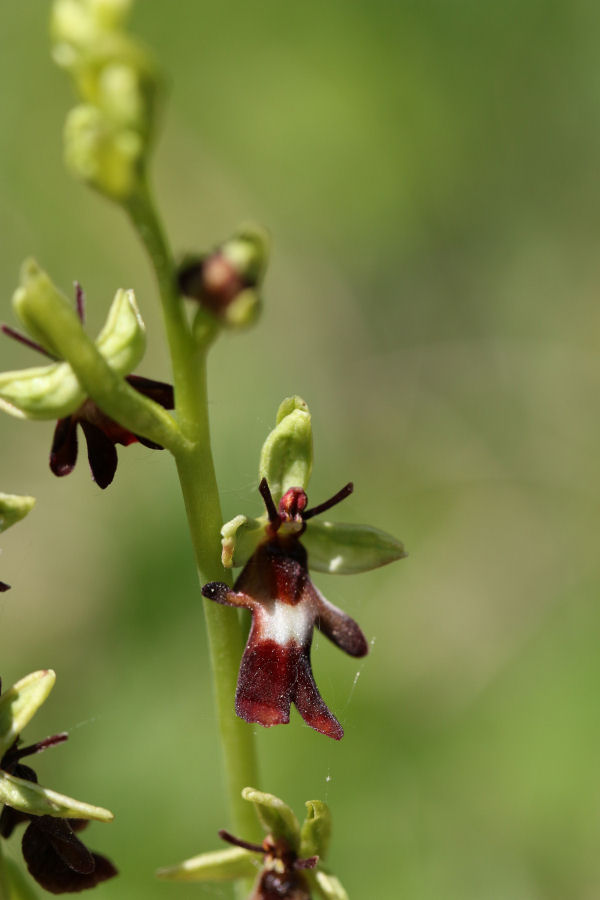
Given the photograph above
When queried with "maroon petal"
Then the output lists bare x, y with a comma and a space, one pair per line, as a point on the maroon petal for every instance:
4, 587
102, 454
340, 628
63, 454
59, 861
158, 391
65, 843
309, 702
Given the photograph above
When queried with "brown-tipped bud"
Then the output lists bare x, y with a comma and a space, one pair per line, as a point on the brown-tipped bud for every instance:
225, 282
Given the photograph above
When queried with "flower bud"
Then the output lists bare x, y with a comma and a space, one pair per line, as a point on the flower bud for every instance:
104, 156
226, 281
13, 508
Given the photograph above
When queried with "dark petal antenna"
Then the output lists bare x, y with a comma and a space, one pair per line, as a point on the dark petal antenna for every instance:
265, 492
333, 501
238, 842
79, 301
23, 339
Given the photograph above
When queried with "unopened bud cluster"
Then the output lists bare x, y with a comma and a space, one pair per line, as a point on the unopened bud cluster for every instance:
107, 136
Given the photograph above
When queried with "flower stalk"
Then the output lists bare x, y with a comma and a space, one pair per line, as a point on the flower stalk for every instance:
193, 457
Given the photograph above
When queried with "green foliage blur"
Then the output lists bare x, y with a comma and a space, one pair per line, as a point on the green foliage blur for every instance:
429, 175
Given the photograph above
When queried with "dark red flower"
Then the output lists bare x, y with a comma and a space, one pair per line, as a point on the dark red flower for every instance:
101, 433
276, 587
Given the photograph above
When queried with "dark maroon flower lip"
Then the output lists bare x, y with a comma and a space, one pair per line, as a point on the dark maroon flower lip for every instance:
275, 586
101, 433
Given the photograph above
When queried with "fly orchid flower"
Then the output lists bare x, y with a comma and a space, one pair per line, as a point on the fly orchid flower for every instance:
54, 391
291, 867
276, 587
226, 282
55, 857
12, 509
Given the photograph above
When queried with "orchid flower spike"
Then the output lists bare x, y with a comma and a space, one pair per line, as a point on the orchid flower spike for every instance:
276, 587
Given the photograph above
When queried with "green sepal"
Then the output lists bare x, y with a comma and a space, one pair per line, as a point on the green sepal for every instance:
32, 798
341, 548
239, 539
316, 830
275, 816
19, 885
20, 703
327, 886
286, 456
34, 280
44, 392
244, 310
219, 865
122, 341
13, 508
248, 252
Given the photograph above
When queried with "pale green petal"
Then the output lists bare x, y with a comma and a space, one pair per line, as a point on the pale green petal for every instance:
44, 392
345, 549
220, 865
286, 457
240, 538
275, 816
32, 798
19, 704
328, 886
122, 341
13, 508
316, 830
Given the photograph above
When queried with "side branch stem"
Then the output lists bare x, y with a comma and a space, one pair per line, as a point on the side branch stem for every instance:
201, 497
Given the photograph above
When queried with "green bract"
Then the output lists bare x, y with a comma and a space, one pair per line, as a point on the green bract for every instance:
53, 391
285, 843
18, 705
286, 462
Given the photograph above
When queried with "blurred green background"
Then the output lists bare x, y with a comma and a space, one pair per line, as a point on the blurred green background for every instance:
429, 173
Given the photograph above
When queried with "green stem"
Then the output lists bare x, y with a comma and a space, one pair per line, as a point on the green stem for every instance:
201, 497
4, 888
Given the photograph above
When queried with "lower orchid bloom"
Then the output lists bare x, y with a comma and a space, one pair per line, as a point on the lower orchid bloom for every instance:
276, 551
54, 855
287, 865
